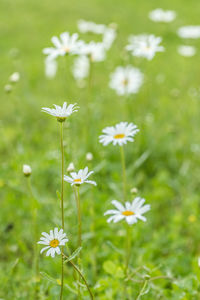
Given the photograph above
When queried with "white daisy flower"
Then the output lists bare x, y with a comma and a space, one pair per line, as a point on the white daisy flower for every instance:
126, 80
189, 32
119, 134
187, 51
144, 45
80, 177
131, 212
50, 68
27, 170
15, 77
160, 15
53, 241
109, 36
81, 67
95, 51
65, 45
61, 112
88, 26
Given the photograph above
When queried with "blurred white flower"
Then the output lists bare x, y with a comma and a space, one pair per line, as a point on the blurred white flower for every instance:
144, 45
61, 112
65, 45
15, 77
126, 80
8, 88
160, 15
50, 68
89, 156
199, 262
71, 167
131, 212
119, 134
109, 36
81, 67
95, 51
189, 32
187, 51
80, 177
53, 241
88, 26
27, 170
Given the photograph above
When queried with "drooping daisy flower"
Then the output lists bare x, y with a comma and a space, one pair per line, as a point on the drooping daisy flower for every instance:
160, 15
95, 51
61, 112
189, 32
144, 45
119, 134
80, 177
27, 170
53, 241
187, 51
126, 80
65, 45
109, 36
88, 26
81, 67
50, 68
131, 212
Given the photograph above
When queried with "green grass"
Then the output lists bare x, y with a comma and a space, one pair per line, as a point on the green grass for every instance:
163, 162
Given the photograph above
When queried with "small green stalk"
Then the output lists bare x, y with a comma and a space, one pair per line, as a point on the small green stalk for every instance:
62, 205
82, 276
34, 226
123, 171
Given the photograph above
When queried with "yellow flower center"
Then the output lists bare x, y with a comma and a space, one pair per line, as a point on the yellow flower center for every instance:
119, 136
66, 49
54, 243
125, 82
127, 213
78, 180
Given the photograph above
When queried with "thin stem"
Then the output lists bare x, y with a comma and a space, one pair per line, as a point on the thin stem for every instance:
81, 275
142, 289
77, 196
62, 205
34, 226
123, 171
128, 248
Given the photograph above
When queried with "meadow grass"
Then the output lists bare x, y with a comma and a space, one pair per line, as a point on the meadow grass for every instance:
162, 163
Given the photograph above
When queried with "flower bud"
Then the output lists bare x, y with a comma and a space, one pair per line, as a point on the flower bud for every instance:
71, 167
134, 190
8, 88
27, 170
89, 156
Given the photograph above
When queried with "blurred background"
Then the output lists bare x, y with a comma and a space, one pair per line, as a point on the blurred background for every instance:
162, 163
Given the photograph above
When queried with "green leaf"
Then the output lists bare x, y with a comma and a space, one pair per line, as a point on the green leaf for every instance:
74, 254
49, 278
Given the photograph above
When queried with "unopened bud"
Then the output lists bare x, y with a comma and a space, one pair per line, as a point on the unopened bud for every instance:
71, 167
89, 156
8, 88
27, 170
134, 190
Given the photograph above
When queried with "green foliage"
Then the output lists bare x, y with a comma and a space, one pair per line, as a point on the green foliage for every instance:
162, 163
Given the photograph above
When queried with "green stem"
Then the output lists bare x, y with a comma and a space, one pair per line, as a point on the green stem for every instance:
34, 226
77, 197
123, 171
82, 276
142, 289
62, 205
128, 248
